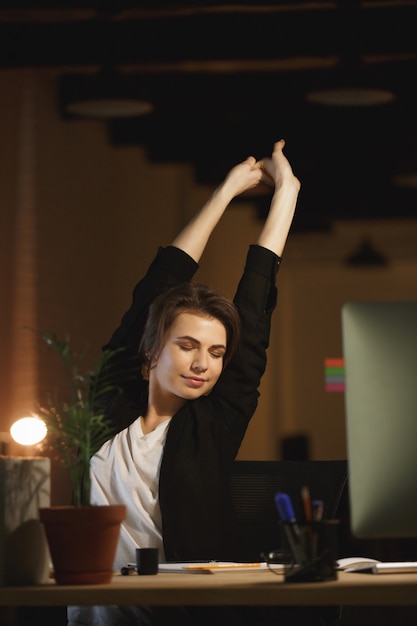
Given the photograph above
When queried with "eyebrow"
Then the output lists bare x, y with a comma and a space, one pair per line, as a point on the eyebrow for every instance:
194, 340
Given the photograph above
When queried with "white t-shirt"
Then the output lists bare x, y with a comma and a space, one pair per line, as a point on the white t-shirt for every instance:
126, 471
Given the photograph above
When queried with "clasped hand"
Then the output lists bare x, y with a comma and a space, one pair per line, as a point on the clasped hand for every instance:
269, 173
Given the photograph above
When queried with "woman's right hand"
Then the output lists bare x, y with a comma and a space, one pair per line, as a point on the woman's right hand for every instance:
278, 167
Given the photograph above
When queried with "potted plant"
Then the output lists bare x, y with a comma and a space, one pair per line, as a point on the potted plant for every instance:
77, 428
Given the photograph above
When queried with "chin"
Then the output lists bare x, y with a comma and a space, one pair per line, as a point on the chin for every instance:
194, 394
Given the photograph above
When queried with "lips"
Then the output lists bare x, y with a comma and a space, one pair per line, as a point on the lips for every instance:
194, 382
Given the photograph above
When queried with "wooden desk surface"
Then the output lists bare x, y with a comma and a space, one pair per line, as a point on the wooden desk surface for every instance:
245, 588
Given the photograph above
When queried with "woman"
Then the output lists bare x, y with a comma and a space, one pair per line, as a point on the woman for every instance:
202, 359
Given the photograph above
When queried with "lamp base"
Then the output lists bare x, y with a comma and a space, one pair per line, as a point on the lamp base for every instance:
24, 487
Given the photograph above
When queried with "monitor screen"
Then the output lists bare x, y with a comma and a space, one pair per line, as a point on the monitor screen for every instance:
380, 352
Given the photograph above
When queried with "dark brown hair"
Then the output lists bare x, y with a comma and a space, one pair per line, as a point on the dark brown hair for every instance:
190, 297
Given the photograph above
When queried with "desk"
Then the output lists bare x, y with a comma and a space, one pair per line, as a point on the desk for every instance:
244, 588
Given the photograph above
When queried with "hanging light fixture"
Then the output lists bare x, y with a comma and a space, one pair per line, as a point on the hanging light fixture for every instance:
106, 94
350, 83
366, 255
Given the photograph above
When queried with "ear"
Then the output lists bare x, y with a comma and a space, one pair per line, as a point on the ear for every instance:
144, 370
146, 366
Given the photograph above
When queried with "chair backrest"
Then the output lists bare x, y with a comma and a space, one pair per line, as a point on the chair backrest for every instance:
254, 485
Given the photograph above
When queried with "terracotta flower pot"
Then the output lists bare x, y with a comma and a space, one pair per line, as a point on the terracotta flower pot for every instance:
82, 541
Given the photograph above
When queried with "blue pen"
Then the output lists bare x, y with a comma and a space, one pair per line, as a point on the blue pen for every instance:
285, 507
287, 515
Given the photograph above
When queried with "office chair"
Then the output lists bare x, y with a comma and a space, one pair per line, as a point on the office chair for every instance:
253, 487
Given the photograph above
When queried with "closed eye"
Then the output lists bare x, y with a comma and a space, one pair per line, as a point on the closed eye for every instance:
216, 351
187, 347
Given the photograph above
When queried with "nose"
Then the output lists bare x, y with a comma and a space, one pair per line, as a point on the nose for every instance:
199, 364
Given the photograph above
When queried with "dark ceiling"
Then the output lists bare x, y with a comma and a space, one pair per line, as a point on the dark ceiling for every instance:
227, 80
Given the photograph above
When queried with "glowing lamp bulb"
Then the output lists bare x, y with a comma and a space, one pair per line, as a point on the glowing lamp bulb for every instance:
28, 431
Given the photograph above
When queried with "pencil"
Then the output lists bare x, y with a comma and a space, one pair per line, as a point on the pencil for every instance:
305, 497
223, 565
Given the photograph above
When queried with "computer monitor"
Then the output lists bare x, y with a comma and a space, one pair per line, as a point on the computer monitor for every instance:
380, 352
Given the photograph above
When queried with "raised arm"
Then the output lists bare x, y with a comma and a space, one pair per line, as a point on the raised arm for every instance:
287, 186
256, 299
194, 236
171, 266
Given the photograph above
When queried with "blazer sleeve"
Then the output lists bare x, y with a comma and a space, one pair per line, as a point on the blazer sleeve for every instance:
256, 297
170, 267
124, 403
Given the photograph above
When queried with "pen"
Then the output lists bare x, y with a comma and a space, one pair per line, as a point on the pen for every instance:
287, 515
318, 510
285, 507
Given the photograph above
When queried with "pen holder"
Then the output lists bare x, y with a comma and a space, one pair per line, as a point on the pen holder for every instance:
314, 547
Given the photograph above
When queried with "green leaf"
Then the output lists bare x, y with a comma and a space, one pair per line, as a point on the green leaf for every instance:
79, 427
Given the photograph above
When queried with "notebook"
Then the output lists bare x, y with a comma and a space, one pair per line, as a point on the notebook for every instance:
367, 565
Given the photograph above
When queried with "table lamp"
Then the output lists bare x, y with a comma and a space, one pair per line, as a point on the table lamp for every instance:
24, 488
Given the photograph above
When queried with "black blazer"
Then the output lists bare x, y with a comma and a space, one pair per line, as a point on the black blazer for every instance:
205, 435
